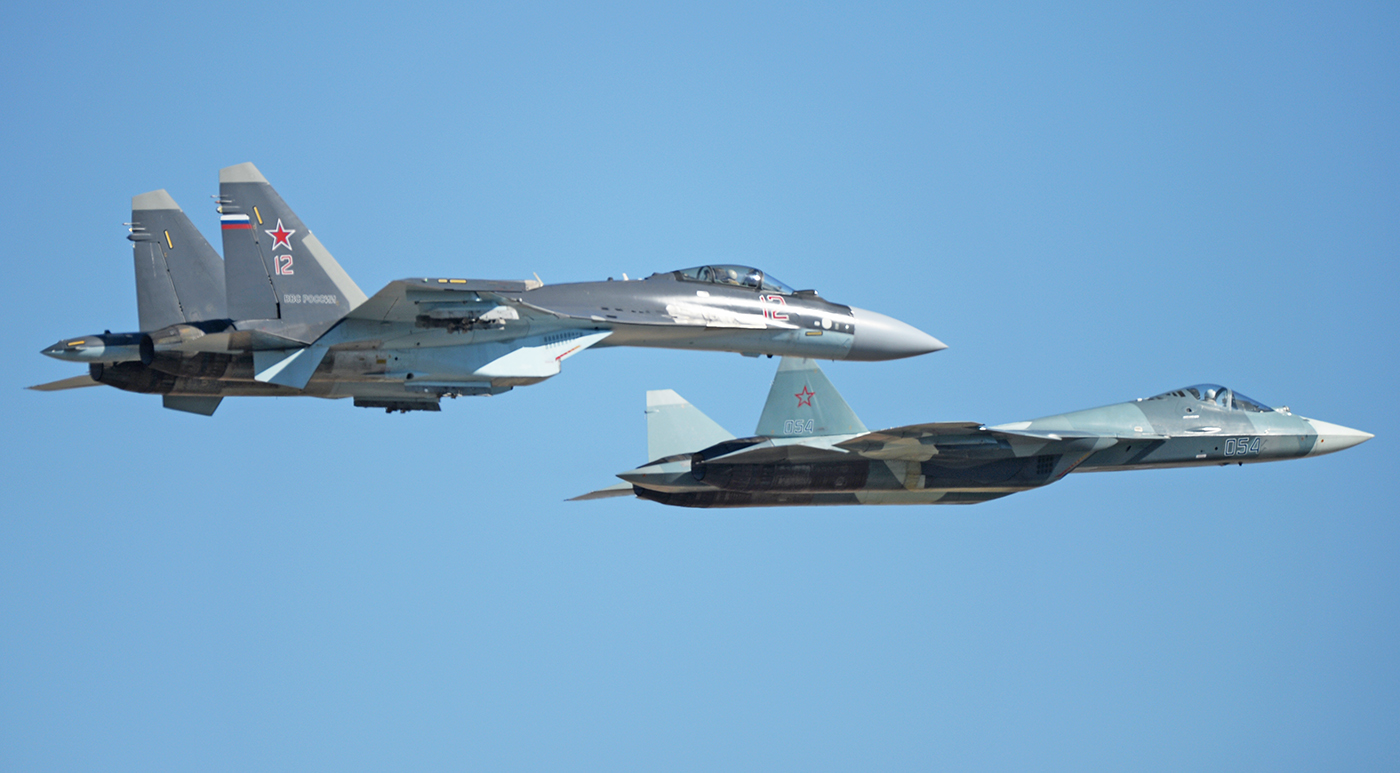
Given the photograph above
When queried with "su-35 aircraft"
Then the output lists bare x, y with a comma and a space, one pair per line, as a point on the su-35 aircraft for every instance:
278, 316
810, 449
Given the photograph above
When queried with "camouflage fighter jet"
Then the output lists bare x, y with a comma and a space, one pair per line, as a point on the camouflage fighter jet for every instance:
278, 316
810, 449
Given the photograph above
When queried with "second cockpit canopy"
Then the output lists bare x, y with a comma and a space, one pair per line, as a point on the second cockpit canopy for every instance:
1219, 396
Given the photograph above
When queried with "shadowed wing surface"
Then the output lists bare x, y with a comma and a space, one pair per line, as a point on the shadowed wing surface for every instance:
923, 441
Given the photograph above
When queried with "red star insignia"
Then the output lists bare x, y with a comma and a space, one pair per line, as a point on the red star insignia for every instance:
282, 235
805, 397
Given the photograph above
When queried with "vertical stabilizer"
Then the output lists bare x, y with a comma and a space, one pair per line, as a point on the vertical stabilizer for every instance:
803, 402
179, 277
275, 268
674, 426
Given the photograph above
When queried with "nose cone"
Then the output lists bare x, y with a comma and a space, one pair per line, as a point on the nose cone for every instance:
879, 337
1334, 437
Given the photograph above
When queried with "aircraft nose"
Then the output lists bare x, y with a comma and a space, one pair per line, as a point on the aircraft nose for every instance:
879, 337
1334, 437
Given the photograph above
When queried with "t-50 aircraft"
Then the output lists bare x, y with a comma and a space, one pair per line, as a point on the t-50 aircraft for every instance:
810, 449
278, 316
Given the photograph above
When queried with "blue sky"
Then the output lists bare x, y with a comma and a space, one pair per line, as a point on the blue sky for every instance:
1088, 205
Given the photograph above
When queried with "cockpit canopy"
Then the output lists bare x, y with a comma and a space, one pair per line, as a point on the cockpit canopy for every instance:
736, 276
1219, 396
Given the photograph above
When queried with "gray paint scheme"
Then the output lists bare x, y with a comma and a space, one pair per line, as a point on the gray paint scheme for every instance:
286, 276
179, 277
278, 316
813, 413
798, 457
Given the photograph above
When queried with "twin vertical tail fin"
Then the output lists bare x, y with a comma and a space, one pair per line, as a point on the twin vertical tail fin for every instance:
674, 426
803, 403
275, 268
179, 277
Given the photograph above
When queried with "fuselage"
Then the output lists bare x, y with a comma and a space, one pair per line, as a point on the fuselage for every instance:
446, 348
1194, 426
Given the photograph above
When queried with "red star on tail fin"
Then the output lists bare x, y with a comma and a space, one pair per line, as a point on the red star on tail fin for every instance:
282, 235
805, 397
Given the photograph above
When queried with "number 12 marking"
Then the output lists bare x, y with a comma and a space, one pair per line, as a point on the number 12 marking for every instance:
772, 313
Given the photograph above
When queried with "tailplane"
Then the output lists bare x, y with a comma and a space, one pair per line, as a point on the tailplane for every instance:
179, 277
275, 268
803, 402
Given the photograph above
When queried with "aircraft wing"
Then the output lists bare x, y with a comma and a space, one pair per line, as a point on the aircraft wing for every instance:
925, 441
675, 315
806, 451
911, 432
1062, 434
404, 300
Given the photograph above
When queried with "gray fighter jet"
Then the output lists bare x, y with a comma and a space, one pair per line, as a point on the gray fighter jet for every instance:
278, 316
810, 449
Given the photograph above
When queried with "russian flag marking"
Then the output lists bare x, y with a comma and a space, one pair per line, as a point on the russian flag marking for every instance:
235, 222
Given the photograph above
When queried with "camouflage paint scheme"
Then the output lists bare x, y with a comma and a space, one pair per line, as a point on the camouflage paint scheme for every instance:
278, 316
810, 449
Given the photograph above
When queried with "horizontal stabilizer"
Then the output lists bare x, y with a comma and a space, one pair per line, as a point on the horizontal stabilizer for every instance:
615, 490
674, 426
76, 382
204, 406
803, 402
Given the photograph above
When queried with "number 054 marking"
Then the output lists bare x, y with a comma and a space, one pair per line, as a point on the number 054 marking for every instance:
1241, 446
